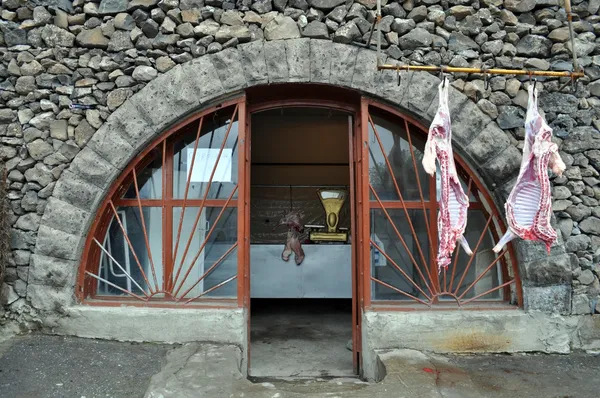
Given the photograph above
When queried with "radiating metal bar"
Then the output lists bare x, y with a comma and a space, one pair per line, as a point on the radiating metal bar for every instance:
187, 187
115, 286
393, 177
210, 269
206, 238
297, 186
137, 260
409, 279
146, 241
482, 274
402, 241
205, 195
450, 69
399, 291
488, 292
454, 265
166, 252
412, 154
215, 287
487, 224
120, 266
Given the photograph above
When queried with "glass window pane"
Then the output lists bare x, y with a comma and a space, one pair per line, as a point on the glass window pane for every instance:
384, 235
394, 140
205, 251
116, 271
225, 177
482, 259
269, 204
149, 182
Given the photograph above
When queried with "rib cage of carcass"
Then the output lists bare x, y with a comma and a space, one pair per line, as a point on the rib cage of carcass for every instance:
453, 205
529, 205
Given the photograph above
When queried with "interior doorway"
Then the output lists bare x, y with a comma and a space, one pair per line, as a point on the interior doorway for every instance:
302, 316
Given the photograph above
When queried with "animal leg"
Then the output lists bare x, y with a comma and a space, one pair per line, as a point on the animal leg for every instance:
465, 245
508, 236
287, 250
298, 251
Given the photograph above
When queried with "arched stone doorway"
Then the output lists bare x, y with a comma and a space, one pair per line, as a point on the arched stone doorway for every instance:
202, 83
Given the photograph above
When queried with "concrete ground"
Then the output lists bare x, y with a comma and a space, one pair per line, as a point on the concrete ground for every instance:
305, 338
51, 366
48, 366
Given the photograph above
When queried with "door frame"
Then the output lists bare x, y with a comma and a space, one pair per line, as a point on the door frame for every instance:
257, 103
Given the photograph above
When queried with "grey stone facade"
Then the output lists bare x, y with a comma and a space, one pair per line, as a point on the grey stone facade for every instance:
141, 65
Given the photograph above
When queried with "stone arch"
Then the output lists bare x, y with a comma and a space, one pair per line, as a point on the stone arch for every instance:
196, 84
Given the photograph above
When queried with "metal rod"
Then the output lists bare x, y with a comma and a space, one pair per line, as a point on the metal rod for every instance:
571, 35
215, 287
206, 238
187, 187
409, 279
144, 230
400, 196
466, 270
297, 186
450, 69
399, 291
120, 266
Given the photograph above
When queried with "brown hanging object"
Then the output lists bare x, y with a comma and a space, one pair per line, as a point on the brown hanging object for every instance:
294, 236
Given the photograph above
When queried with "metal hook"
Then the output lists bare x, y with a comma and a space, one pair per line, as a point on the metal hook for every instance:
534, 83
399, 76
486, 82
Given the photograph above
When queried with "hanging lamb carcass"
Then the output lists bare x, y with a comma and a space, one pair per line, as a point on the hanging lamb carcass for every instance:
529, 205
452, 216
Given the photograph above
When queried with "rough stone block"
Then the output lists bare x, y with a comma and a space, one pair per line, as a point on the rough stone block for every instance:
73, 189
276, 61
298, 59
205, 80
229, 68
51, 271
548, 270
468, 122
549, 299
253, 62
528, 251
365, 76
50, 298
504, 166
54, 243
168, 98
487, 144
65, 217
388, 81
343, 58
131, 123
320, 61
421, 93
92, 168
112, 146
588, 333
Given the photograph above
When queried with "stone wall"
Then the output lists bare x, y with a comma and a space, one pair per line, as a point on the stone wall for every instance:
67, 66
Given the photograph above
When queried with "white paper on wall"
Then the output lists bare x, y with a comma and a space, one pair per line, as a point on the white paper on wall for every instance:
205, 161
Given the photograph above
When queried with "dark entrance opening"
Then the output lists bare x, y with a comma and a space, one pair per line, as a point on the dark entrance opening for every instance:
301, 314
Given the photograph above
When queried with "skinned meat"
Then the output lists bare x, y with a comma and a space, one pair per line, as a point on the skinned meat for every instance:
293, 238
452, 216
529, 205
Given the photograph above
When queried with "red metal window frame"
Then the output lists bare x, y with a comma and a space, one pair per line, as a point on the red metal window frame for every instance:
275, 97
